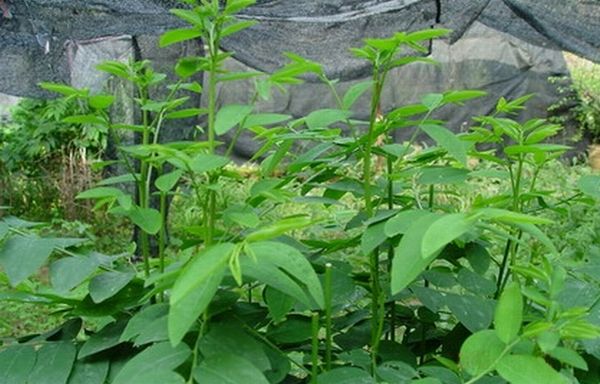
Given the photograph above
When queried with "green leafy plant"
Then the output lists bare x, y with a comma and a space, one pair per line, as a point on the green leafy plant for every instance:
318, 270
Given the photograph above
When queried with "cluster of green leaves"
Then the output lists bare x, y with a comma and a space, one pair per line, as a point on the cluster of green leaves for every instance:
412, 289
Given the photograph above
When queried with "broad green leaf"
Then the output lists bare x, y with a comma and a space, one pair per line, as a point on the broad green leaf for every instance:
143, 320
236, 27
108, 284
400, 223
185, 113
372, 237
62, 89
243, 215
54, 363
295, 329
570, 357
590, 185
408, 262
89, 372
189, 16
510, 217
474, 312
539, 235
84, 119
114, 68
100, 193
101, 101
512, 150
148, 219
158, 377
195, 287
166, 182
346, 375
355, 92
279, 228
205, 162
16, 363
69, 272
443, 231
324, 117
159, 357
22, 256
447, 140
228, 369
231, 339
526, 369
276, 264
126, 178
475, 283
229, 116
178, 35
279, 304
463, 95
481, 352
509, 313
106, 338
432, 100
396, 372
265, 119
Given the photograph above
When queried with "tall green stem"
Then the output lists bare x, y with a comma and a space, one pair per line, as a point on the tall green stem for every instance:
328, 304
143, 190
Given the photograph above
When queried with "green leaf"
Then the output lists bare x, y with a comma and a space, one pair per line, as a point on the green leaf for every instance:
106, 338
22, 256
157, 358
195, 287
148, 219
372, 237
400, 223
408, 262
509, 313
355, 92
447, 140
510, 217
229, 116
16, 363
322, 118
279, 304
143, 321
189, 16
526, 369
100, 193
101, 101
166, 182
475, 283
54, 363
158, 377
108, 284
590, 185
345, 375
261, 119
463, 95
236, 27
443, 231
570, 357
67, 273
62, 89
205, 162
84, 119
432, 101
178, 35
231, 339
114, 68
474, 312
89, 372
279, 228
286, 269
228, 369
512, 150
296, 329
480, 352
185, 113
243, 215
